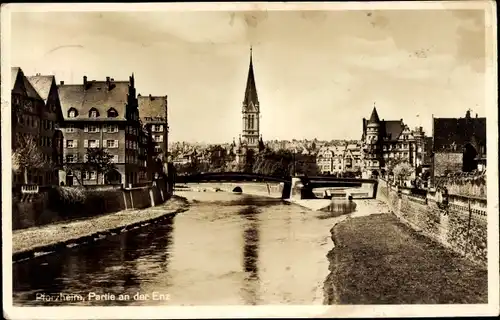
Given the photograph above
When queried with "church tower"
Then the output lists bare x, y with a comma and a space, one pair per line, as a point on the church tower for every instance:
251, 112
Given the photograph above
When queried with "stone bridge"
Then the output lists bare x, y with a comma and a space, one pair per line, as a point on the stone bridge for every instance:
289, 187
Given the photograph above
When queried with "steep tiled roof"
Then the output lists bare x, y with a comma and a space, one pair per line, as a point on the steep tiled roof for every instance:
14, 72
374, 117
30, 91
152, 106
96, 96
392, 129
42, 85
458, 132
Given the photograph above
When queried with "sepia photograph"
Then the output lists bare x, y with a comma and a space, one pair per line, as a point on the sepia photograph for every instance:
228, 160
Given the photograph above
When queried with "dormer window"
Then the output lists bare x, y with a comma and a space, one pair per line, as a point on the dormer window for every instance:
72, 113
93, 113
112, 113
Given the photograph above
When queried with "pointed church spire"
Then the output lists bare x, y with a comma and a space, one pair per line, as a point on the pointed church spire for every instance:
374, 117
251, 90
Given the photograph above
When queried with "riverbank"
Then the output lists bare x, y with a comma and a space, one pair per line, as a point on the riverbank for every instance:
379, 260
29, 242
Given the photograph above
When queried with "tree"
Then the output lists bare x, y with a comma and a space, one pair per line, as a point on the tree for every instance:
402, 171
218, 159
99, 160
28, 155
249, 161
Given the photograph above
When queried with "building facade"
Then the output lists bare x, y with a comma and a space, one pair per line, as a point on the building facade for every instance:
390, 141
36, 112
339, 159
102, 114
459, 144
153, 111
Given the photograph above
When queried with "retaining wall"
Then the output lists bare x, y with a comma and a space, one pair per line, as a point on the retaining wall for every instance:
47, 207
459, 224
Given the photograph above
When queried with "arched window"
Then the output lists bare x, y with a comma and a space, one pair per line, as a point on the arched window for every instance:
93, 113
72, 113
112, 113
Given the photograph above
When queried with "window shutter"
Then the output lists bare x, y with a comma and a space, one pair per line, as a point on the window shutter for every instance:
85, 143
97, 143
105, 143
116, 143
75, 143
85, 128
104, 128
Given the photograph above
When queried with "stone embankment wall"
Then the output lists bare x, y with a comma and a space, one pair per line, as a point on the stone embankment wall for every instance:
50, 206
457, 221
465, 184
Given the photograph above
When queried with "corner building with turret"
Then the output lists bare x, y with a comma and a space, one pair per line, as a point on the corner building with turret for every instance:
385, 141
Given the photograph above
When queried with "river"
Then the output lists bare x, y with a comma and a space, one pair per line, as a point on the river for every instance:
228, 249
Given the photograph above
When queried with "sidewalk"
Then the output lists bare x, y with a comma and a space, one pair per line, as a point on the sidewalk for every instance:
379, 260
27, 242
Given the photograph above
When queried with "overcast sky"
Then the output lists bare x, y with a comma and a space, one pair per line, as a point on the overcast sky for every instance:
318, 73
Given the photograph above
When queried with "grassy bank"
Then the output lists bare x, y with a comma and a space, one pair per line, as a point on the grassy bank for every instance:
26, 242
379, 260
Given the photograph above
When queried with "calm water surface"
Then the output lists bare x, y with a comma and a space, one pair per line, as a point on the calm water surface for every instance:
234, 249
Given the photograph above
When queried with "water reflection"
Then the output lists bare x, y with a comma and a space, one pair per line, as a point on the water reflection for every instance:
337, 208
250, 254
114, 265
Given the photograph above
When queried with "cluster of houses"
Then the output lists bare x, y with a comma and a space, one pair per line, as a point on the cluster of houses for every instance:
456, 145
63, 120
335, 160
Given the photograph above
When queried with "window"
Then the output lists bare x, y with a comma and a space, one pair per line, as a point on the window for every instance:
72, 113
90, 175
70, 158
111, 143
70, 128
115, 158
157, 149
112, 113
158, 138
71, 143
93, 144
93, 113
93, 129
112, 128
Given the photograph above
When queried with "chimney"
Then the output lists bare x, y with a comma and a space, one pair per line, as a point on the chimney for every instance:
109, 83
85, 81
61, 82
476, 115
139, 95
467, 114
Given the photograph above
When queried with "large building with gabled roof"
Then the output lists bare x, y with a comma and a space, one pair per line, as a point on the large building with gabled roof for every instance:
36, 112
459, 144
103, 114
